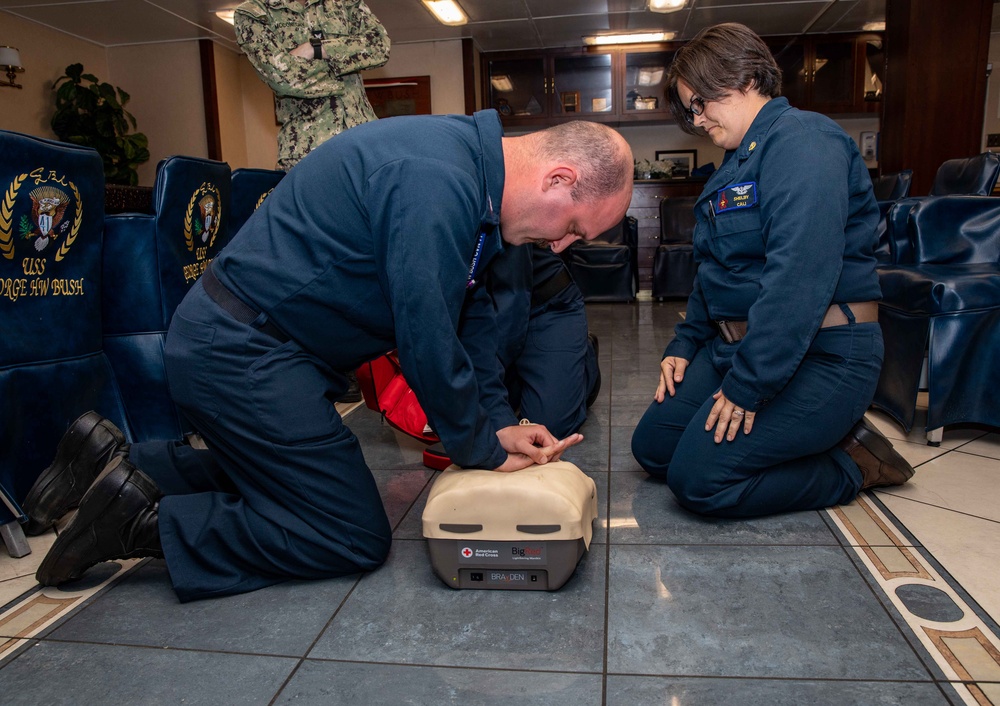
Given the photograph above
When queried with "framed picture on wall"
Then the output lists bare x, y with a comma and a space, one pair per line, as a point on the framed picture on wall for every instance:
680, 163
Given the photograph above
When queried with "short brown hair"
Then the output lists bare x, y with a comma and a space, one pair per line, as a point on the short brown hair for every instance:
720, 59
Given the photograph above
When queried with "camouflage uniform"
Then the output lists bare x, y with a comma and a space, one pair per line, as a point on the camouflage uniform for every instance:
316, 99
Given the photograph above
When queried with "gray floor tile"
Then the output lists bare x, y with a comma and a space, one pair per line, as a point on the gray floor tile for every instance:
143, 610
399, 490
636, 691
403, 613
790, 612
54, 673
644, 511
324, 683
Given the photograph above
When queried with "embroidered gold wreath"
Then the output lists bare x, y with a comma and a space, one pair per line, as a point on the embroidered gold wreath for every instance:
261, 199
7, 217
68, 243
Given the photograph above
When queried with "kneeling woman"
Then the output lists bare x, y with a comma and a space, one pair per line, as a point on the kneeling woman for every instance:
762, 394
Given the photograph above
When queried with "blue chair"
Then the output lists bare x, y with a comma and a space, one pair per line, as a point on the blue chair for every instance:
250, 188
607, 268
973, 176
150, 262
888, 189
52, 362
674, 266
942, 298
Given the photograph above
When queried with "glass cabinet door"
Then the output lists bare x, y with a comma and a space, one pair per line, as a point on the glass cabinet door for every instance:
791, 59
582, 84
646, 81
518, 87
833, 74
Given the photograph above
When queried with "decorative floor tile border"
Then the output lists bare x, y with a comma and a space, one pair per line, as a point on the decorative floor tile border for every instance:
39, 610
964, 646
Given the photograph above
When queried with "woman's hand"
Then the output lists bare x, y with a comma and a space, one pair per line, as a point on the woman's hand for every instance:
726, 417
671, 372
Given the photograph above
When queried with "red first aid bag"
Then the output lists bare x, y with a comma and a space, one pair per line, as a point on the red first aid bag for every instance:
386, 391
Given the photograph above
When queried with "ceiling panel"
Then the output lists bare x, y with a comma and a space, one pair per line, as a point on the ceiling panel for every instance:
792, 18
495, 25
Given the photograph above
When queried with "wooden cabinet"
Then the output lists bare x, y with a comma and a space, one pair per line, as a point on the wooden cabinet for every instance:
645, 208
609, 85
833, 74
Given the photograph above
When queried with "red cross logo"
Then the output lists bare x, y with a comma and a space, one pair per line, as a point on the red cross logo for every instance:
466, 552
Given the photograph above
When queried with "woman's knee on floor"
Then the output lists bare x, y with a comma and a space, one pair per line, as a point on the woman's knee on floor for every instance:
701, 488
650, 451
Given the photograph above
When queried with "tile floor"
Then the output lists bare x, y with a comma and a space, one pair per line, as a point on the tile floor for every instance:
893, 599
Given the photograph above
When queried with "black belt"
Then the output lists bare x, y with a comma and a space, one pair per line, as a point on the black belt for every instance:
236, 307
549, 288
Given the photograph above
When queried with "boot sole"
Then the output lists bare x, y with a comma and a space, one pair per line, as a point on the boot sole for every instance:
41, 514
104, 490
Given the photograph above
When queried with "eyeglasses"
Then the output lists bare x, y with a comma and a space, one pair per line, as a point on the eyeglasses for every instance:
695, 107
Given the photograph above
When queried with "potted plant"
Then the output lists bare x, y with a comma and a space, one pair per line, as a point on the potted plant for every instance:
92, 114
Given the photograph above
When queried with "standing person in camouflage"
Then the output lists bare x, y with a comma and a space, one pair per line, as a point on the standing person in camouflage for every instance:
310, 52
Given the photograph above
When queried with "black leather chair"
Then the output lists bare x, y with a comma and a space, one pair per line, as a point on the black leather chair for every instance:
250, 188
607, 268
889, 188
893, 186
52, 362
674, 266
150, 263
974, 176
942, 298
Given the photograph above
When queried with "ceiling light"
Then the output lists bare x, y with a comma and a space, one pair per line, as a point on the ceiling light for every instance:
666, 5
874, 26
502, 83
447, 12
226, 15
637, 38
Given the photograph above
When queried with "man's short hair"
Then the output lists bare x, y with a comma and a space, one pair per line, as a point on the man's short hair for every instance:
725, 57
604, 165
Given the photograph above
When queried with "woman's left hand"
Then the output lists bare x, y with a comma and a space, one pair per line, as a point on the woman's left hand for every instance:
726, 417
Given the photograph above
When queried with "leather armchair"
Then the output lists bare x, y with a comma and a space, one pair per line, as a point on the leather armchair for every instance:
674, 266
942, 298
607, 268
893, 186
52, 363
150, 263
889, 188
250, 188
974, 176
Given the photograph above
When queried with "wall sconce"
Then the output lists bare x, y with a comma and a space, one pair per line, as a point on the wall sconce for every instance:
10, 61
447, 12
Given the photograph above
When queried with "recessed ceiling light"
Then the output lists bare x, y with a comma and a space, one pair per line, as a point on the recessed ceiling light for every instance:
636, 38
447, 12
666, 5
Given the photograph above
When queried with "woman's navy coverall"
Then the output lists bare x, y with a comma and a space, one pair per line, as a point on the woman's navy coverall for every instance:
373, 242
785, 228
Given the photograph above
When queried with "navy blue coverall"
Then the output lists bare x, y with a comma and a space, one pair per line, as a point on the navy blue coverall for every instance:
374, 241
549, 364
785, 229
